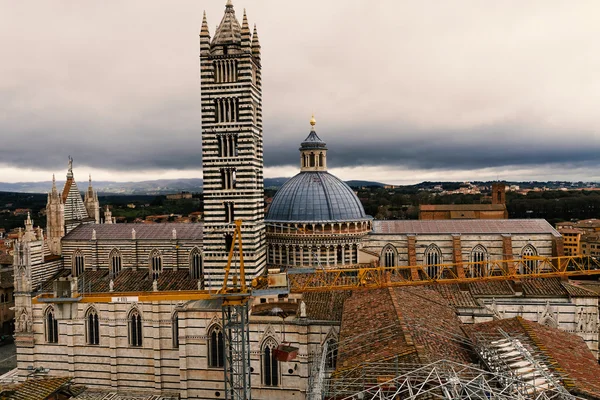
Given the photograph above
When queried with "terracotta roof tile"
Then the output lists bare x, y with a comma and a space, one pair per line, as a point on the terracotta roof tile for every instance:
454, 296
6, 259
142, 231
176, 280
130, 280
545, 287
473, 226
491, 288
326, 306
576, 290
42, 388
7, 279
384, 323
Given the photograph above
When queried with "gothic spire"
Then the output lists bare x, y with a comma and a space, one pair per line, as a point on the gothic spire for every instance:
246, 37
255, 44
204, 36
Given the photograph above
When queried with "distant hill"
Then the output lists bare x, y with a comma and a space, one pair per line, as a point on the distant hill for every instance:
154, 187
364, 183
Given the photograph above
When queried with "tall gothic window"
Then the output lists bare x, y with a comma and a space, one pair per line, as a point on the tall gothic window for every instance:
228, 178
228, 241
229, 212
479, 255
227, 109
92, 327
135, 328
225, 70
78, 263
156, 263
389, 256
433, 256
528, 266
228, 145
270, 365
331, 356
116, 262
51, 326
196, 264
175, 329
216, 347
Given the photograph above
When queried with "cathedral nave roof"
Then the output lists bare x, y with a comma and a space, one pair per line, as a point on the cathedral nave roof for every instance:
183, 231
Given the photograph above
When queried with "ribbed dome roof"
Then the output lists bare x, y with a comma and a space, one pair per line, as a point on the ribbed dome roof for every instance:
313, 196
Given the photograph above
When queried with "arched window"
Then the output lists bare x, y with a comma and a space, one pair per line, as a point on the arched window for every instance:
528, 266
228, 241
92, 327
321, 160
196, 264
51, 326
433, 256
216, 347
116, 262
175, 329
270, 365
389, 256
78, 263
331, 356
155, 263
479, 255
135, 328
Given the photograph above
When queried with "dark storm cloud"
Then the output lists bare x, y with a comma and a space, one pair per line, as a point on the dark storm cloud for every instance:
418, 85
474, 149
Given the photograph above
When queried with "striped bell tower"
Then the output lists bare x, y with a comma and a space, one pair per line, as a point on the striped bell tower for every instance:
232, 145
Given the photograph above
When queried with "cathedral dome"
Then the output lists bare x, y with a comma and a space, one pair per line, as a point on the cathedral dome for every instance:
315, 196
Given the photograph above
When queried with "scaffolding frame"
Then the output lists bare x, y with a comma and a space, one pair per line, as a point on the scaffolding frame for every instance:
449, 380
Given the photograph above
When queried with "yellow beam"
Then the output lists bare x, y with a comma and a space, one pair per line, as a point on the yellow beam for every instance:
493, 270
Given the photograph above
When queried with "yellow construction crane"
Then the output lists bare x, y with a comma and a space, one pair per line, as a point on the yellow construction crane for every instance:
317, 280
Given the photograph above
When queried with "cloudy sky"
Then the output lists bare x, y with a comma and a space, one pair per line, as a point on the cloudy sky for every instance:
403, 91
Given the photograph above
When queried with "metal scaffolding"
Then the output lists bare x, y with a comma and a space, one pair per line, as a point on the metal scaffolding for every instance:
452, 381
237, 358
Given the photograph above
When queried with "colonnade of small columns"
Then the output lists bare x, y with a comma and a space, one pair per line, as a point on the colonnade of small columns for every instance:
225, 71
228, 145
226, 109
312, 159
324, 255
316, 228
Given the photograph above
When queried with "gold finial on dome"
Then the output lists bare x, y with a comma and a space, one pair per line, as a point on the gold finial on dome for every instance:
313, 121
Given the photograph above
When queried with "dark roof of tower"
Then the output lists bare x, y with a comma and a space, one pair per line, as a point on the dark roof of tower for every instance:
229, 30
312, 141
313, 196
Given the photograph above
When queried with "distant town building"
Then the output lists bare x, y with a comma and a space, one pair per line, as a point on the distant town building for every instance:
179, 196
496, 210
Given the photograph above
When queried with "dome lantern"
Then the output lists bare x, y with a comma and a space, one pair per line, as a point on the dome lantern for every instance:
313, 151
